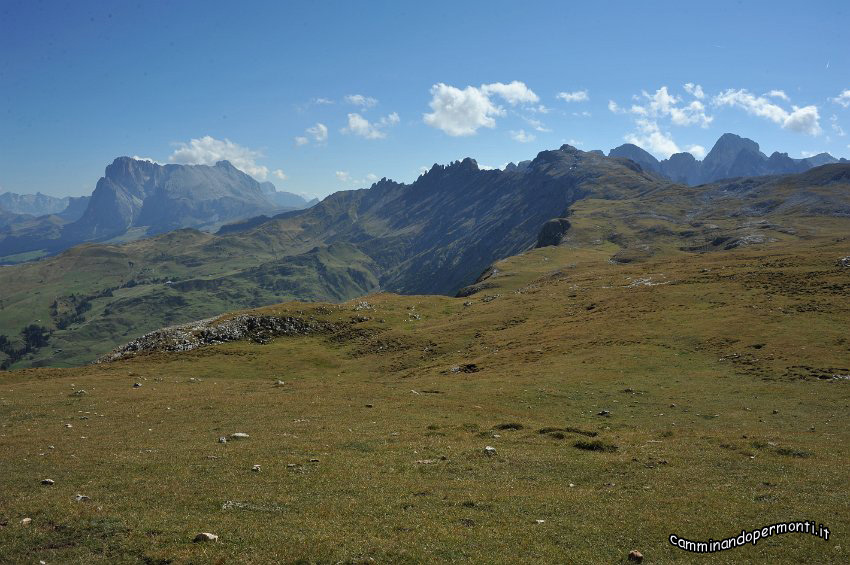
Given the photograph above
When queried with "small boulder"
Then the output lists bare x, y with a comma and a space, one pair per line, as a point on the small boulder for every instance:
205, 537
279, 383
604, 413
844, 262
636, 556
222, 439
47, 482
80, 497
256, 468
489, 451
239, 435
137, 385
26, 522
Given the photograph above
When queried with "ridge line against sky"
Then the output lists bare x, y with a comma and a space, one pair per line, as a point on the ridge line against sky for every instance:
320, 98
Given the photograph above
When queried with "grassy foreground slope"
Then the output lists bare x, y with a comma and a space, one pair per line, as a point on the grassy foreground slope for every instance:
724, 375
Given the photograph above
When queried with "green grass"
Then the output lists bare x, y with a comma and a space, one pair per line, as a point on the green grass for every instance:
715, 384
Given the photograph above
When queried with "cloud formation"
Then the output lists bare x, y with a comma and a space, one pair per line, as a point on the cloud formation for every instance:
317, 133
577, 96
843, 99
651, 110
522, 136
208, 151
360, 100
463, 112
360, 126
801, 120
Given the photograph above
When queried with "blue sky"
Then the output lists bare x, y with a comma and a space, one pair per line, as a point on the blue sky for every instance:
324, 96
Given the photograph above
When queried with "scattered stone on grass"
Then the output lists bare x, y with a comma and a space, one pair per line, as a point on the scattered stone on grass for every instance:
489, 451
256, 468
137, 385
636, 556
222, 439
81, 498
205, 537
239, 435
48, 482
26, 522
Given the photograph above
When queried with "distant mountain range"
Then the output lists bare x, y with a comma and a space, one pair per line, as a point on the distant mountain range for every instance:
435, 235
732, 156
138, 198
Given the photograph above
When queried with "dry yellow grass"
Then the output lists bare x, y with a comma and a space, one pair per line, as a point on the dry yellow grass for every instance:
717, 371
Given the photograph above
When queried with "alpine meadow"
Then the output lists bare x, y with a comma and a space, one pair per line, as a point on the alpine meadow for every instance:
326, 283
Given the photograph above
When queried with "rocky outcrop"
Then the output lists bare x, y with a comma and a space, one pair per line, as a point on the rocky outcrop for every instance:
212, 331
553, 232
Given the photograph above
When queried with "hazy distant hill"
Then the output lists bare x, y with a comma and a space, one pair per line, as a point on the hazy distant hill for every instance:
732, 156
37, 204
136, 198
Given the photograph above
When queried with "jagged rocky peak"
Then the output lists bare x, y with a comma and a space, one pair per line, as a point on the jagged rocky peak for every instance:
636, 154
727, 148
520, 167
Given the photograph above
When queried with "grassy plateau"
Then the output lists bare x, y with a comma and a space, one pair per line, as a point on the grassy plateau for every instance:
695, 394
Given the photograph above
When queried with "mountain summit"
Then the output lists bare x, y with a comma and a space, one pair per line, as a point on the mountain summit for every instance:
137, 198
732, 156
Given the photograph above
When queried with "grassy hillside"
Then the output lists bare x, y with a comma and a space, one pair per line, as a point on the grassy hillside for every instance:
689, 393
433, 236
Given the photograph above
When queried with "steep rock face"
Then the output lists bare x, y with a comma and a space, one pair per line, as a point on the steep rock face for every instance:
440, 232
141, 194
638, 155
732, 156
682, 168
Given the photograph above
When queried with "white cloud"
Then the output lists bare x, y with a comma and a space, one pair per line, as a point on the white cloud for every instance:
575, 142
358, 125
694, 90
343, 176
801, 120
652, 139
372, 177
583, 114
360, 100
318, 133
577, 96
463, 112
843, 98
537, 125
513, 93
522, 136
662, 104
836, 127
778, 94
148, 159
698, 151
460, 112
207, 151
279, 174
322, 101
652, 111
